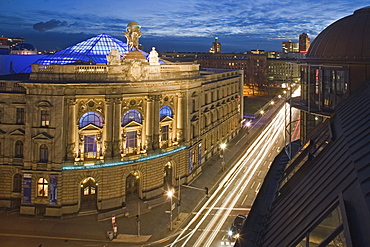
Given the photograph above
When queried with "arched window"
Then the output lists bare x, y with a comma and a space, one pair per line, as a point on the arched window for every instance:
19, 149
91, 118
44, 153
165, 111
17, 183
42, 187
131, 115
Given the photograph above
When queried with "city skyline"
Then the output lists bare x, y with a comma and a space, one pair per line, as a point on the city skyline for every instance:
173, 26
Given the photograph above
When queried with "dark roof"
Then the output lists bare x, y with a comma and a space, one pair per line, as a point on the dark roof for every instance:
347, 38
334, 166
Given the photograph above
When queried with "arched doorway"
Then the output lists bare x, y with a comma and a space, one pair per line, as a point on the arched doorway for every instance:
167, 180
132, 185
89, 191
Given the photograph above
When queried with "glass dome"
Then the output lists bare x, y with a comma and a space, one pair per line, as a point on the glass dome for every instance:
91, 51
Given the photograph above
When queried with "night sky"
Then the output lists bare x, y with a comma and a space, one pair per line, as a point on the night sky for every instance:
172, 25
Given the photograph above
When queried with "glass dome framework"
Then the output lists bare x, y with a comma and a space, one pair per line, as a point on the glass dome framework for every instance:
90, 51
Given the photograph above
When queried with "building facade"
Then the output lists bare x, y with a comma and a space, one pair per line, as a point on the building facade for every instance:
254, 65
95, 125
304, 43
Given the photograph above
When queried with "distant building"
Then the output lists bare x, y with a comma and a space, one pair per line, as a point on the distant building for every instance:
253, 63
304, 43
23, 49
216, 46
321, 196
289, 46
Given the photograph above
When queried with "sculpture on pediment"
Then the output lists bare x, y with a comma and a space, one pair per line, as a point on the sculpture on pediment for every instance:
132, 35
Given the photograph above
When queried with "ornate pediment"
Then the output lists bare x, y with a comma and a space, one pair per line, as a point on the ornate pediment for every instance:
43, 136
166, 119
19, 132
132, 124
91, 127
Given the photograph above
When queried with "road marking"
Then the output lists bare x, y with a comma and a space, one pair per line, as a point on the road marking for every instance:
258, 188
253, 184
244, 199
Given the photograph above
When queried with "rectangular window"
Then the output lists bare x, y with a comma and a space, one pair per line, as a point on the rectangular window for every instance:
90, 146
164, 130
20, 116
131, 139
45, 118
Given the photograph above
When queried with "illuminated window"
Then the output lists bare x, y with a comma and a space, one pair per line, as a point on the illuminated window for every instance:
90, 146
45, 118
91, 118
44, 153
42, 187
164, 131
131, 139
166, 111
19, 149
131, 115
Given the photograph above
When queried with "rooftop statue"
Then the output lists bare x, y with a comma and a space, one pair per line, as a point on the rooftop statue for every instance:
153, 57
114, 57
133, 34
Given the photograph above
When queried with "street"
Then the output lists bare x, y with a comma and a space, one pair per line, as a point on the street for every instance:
236, 192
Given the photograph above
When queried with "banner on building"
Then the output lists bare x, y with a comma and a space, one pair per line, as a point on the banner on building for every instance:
190, 160
27, 183
53, 189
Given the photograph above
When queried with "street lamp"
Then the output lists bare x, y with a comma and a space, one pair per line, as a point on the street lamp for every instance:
170, 195
223, 146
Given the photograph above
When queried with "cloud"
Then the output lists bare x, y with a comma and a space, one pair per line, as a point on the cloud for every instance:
44, 26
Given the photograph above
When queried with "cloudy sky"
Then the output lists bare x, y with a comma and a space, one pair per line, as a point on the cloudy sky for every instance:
172, 25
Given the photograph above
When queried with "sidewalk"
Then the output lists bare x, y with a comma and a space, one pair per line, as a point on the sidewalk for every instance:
154, 223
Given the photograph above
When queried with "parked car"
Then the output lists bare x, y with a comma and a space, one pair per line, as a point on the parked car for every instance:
236, 226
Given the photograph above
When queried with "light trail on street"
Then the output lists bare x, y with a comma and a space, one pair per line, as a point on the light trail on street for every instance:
237, 190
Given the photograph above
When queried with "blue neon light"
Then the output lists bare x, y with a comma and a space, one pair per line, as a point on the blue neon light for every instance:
69, 168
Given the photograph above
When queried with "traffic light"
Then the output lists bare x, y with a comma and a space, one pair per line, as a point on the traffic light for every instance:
206, 190
137, 218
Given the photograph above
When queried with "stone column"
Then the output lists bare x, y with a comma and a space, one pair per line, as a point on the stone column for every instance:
117, 121
72, 136
180, 120
149, 123
108, 135
156, 119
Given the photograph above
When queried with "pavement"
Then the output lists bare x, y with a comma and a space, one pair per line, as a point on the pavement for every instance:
153, 229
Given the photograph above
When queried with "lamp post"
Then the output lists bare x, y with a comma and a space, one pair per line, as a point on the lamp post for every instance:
170, 195
223, 146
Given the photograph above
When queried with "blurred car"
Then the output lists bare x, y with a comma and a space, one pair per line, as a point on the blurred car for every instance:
236, 226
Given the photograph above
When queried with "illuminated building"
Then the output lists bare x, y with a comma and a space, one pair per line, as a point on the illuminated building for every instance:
216, 46
99, 123
254, 65
289, 46
321, 196
304, 43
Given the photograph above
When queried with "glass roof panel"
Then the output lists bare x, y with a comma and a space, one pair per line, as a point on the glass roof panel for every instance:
93, 51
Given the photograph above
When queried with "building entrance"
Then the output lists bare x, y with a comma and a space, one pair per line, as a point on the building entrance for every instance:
132, 185
89, 191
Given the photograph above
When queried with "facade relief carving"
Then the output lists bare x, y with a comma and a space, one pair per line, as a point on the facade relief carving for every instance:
91, 106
